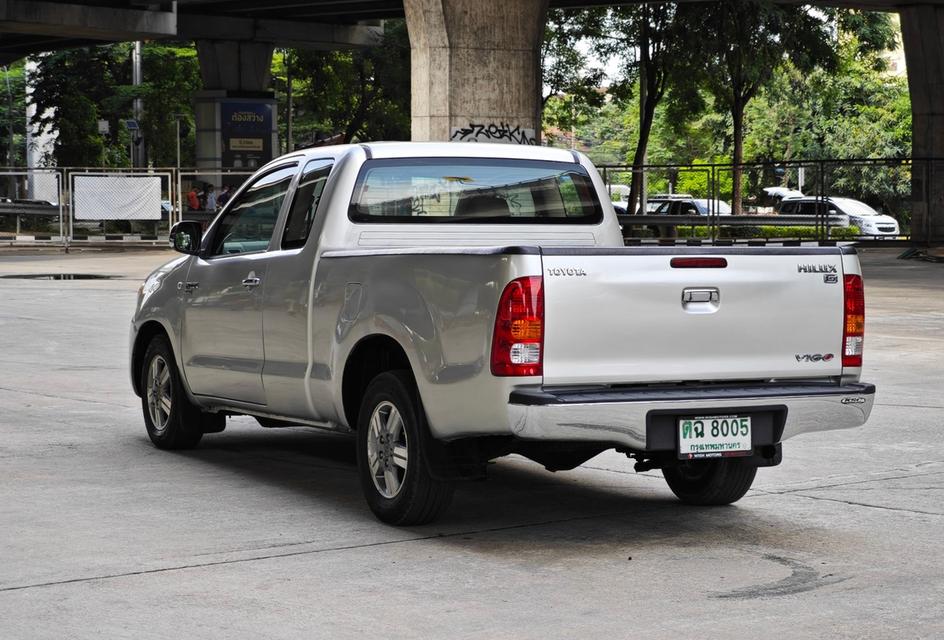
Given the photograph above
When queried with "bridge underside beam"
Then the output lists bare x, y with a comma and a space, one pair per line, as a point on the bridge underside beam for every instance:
65, 20
923, 34
285, 33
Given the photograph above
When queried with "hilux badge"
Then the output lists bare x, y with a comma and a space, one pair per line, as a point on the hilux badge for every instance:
816, 268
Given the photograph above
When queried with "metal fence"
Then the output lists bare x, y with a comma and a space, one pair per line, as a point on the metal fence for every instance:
47, 205
31, 204
81, 205
902, 188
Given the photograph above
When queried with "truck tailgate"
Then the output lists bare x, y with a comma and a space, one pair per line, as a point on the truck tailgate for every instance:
617, 316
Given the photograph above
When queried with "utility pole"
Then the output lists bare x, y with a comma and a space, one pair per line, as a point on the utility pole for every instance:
137, 155
289, 138
180, 199
11, 149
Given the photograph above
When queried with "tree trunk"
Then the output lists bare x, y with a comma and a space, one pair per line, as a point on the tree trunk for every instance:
639, 158
647, 109
737, 117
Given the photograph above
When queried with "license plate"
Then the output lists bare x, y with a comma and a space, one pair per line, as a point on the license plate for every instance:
714, 437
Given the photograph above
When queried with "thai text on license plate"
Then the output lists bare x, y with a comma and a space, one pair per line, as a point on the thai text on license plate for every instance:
714, 436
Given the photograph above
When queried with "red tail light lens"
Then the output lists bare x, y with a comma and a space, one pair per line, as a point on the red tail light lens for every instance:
853, 330
698, 263
518, 340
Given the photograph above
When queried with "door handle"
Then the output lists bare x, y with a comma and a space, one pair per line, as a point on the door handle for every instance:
250, 283
705, 300
701, 295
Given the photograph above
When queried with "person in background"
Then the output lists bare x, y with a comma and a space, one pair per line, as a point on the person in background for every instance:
210, 198
224, 196
193, 199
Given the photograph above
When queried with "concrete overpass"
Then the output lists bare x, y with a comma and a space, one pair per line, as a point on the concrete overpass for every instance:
461, 51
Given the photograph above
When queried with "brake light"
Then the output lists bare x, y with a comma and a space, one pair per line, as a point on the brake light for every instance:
853, 330
698, 263
518, 340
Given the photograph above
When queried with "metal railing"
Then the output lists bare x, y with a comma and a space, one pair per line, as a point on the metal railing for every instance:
32, 215
903, 188
37, 205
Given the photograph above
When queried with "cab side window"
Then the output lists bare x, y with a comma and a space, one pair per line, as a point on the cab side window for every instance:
249, 222
305, 204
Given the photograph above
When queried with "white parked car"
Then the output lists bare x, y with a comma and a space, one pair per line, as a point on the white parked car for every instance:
869, 221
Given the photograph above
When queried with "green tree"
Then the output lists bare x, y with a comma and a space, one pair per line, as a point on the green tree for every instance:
171, 75
571, 84
362, 94
72, 90
751, 40
854, 111
657, 54
12, 108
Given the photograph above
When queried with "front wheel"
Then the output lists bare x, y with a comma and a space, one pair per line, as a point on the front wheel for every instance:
172, 421
394, 473
710, 482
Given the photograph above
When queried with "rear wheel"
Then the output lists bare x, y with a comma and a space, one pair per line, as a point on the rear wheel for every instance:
172, 421
710, 482
394, 473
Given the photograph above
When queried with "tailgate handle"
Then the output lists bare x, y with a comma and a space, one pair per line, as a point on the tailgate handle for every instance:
701, 295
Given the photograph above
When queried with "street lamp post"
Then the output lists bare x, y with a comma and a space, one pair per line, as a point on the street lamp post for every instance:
180, 203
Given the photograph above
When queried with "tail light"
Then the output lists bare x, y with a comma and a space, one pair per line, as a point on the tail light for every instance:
518, 340
853, 330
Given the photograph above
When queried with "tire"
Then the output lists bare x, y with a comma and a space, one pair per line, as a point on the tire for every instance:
394, 472
172, 421
710, 482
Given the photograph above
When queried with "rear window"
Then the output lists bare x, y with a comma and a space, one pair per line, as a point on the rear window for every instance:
474, 190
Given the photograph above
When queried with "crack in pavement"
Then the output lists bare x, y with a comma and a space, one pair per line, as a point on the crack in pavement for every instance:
272, 556
852, 482
909, 406
870, 506
55, 397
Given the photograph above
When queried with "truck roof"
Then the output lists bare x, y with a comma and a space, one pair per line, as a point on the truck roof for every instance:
442, 150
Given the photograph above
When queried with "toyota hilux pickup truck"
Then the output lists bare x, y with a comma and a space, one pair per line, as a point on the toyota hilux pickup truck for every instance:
452, 303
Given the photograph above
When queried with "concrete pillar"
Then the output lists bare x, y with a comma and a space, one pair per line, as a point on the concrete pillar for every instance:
922, 27
476, 69
236, 115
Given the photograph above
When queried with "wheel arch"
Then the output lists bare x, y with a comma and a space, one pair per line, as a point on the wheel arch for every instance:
146, 333
372, 355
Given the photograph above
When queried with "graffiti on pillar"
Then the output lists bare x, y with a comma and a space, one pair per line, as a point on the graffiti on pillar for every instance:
500, 132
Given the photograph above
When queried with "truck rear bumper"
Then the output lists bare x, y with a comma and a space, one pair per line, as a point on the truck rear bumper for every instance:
622, 417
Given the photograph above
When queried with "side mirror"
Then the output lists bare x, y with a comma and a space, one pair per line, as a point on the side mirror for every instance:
185, 237
832, 212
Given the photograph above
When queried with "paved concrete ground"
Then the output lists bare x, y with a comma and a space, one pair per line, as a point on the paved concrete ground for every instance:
263, 533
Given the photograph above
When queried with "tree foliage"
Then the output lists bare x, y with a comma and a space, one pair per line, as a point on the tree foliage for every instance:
753, 39
571, 82
72, 90
12, 122
75, 88
362, 94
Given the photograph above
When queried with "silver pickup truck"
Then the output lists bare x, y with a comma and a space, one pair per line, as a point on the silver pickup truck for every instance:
453, 303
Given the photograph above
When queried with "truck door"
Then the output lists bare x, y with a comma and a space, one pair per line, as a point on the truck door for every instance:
222, 342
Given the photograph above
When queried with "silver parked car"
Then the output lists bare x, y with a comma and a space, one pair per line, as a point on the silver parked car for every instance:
450, 303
